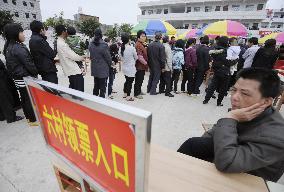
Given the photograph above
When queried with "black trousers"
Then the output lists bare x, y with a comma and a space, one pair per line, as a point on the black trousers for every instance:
188, 77
50, 77
76, 82
199, 147
100, 87
128, 85
6, 101
139, 78
198, 79
220, 83
153, 81
27, 104
165, 82
175, 78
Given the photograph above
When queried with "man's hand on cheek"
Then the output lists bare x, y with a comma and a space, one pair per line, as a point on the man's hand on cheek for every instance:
248, 113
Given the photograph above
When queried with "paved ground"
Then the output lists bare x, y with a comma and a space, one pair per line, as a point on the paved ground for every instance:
25, 165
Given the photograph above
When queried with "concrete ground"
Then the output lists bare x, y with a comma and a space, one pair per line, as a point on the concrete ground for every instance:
26, 167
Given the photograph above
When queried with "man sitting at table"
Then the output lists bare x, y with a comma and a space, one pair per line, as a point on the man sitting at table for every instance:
250, 138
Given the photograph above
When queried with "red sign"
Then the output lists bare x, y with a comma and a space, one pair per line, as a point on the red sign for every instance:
101, 146
263, 33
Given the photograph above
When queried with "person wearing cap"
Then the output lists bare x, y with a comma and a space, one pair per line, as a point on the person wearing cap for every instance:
156, 61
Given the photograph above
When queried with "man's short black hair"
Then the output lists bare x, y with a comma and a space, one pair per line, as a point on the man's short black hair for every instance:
59, 29
253, 40
223, 41
166, 39
173, 37
268, 79
191, 41
71, 31
36, 26
180, 44
139, 33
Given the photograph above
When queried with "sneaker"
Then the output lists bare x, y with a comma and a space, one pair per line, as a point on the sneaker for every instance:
125, 95
111, 96
169, 95
17, 118
220, 105
177, 92
139, 97
205, 102
33, 124
129, 98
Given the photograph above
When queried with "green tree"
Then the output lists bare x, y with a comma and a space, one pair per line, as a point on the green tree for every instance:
5, 18
125, 28
56, 20
88, 26
113, 32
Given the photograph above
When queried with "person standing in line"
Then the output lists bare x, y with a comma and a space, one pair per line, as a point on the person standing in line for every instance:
7, 111
250, 52
43, 55
128, 57
112, 71
156, 60
165, 81
266, 56
141, 63
203, 60
20, 64
100, 63
68, 59
178, 62
233, 53
190, 65
221, 67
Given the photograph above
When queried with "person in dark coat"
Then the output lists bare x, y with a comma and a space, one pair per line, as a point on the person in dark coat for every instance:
221, 67
43, 54
100, 63
156, 61
203, 58
20, 64
7, 111
266, 56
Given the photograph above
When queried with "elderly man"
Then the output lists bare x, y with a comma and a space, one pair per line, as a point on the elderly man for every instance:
250, 138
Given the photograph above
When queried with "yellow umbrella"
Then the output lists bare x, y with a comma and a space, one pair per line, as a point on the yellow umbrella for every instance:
266, 37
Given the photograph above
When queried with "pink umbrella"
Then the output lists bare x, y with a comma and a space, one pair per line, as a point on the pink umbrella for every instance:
191, 33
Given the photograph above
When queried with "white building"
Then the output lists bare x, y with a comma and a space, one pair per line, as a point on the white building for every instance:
24, 11
184, 14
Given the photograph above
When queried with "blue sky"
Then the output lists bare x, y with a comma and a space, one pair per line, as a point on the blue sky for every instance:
109, 11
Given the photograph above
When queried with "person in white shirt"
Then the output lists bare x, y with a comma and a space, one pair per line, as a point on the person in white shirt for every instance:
67, 59
233, 53
250, 52
128, 57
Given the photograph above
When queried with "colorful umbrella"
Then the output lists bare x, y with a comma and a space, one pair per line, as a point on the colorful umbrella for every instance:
279, 37
188, 34
226, 28
153, 26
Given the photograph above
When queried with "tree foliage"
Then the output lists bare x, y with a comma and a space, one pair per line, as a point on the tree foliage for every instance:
88, 26
113, 32
125, 28
56, 20
5, 18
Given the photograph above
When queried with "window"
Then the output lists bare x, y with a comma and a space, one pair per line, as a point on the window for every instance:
159, 11
282, 16
14, 2
150, 12
188, 9
278, 26
5, 1
32, 5
166, 11
260, 7
27, 15
143, 12
218, 8
246, 25
34, 16
249, 7
16, 14
226, 8
208, 8
235, 7
194, 25
186, 26
196, 9
25, 3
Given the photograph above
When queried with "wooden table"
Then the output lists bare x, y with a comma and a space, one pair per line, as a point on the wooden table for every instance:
174, 172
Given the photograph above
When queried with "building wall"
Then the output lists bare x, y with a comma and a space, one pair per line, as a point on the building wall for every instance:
24, 11
196, 12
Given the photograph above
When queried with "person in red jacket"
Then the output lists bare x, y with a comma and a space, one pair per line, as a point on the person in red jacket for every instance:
141, 63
